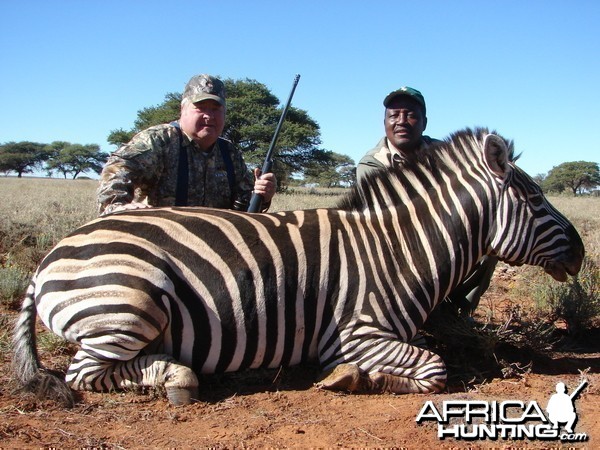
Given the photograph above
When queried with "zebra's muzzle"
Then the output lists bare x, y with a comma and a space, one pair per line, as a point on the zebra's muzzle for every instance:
559, 271
570, 261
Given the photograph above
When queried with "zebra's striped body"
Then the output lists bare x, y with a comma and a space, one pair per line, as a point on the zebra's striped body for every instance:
150, 293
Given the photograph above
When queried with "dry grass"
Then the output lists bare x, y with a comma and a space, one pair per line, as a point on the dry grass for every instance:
37, 213
55, 205
304, 198
584, 213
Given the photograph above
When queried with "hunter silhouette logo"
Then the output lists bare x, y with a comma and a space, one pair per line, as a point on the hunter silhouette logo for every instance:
509, 419
561, 408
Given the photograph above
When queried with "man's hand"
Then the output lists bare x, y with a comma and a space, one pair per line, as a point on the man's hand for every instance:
265, 185
116, 207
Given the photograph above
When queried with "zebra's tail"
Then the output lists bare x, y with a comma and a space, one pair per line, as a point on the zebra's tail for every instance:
26, 364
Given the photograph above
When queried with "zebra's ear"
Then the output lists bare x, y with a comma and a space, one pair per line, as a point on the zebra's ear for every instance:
496, 155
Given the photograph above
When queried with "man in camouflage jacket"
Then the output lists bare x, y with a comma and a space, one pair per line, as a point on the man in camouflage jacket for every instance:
145, 171
404, 122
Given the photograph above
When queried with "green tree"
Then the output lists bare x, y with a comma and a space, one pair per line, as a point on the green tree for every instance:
163, 113
576, 176
75, 159
252, 116
119, 137
540, 178
54, 149
22, 157
166, 112
331, 170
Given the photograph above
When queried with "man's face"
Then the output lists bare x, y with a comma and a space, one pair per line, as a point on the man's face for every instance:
404, 123
203, 122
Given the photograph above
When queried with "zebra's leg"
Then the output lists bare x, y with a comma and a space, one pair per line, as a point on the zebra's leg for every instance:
403, 368
397, 384
91, 373
389, 366
419, 341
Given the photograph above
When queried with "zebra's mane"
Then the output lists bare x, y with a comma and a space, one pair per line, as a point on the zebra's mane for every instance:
432, 160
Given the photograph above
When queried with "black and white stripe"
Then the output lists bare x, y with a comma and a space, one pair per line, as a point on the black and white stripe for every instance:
151, 293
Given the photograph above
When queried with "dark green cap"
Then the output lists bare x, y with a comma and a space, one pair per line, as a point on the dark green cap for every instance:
409, 92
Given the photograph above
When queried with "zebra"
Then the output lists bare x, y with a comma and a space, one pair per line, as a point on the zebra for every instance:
154, 297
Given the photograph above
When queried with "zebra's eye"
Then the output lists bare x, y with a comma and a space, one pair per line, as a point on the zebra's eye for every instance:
536, 199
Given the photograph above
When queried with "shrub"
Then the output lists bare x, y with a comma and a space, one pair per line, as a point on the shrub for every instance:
13, 283
5, 334
576, 302
53, 344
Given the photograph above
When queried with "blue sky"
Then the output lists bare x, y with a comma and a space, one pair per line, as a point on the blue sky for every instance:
75, 70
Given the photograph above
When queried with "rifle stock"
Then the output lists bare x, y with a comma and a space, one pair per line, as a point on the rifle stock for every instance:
257, 199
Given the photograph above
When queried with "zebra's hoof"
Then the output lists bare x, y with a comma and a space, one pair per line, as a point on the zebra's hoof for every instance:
344, 377
181, 396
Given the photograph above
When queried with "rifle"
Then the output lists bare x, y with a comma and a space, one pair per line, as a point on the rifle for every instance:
576, 392
256, 199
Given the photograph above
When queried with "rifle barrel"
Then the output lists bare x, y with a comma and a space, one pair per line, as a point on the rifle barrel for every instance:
576, 392
256, 199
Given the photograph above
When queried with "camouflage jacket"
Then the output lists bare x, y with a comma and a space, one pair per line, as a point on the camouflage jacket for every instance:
384, 156
145, 170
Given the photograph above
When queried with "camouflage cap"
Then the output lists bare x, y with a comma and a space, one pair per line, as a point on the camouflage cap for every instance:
409, 92
204, 87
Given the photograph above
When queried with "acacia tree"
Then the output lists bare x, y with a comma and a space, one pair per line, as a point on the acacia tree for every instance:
166, 112
252, 116
337, 170
576, 176
75, 159
22, 157
54, 150
540, 178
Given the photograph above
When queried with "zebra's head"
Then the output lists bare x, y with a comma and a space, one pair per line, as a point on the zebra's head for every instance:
527, 229
469, 199
468, 191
